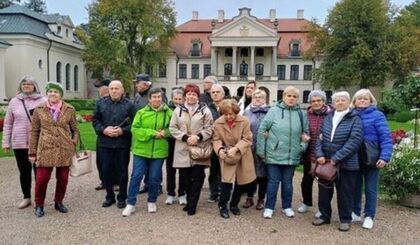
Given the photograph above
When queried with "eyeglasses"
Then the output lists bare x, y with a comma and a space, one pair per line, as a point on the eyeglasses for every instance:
215, 92
258, 97
291, 96
316, 101
28, 84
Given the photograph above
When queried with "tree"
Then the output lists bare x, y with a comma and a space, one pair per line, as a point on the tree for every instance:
362, 43
126, 36
36, 5
7, 3
414, 9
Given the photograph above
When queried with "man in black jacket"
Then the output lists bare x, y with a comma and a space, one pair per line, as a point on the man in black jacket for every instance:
112, 122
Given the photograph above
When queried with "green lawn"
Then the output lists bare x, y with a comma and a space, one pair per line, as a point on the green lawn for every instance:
89, 136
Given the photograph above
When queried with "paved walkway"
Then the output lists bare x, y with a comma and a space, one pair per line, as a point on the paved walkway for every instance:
88, 223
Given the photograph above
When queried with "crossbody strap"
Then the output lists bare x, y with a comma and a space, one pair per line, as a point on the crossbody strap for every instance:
26, 110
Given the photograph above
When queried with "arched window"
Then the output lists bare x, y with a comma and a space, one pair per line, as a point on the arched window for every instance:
259, 71
243, 71
76, 78
58, 72
68, 77
228, 69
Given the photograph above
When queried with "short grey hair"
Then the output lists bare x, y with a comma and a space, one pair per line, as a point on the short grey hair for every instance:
219, 87
177, 91
28, 79
317, 93
341, 94
211, 79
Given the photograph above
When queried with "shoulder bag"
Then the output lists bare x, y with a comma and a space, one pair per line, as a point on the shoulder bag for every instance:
81, 162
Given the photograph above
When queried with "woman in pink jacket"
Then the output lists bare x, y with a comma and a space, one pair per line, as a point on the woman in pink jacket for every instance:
16, 131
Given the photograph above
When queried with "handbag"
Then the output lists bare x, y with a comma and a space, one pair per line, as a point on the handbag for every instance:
81, 163
201, 151
232, 160
326, 172
369, 153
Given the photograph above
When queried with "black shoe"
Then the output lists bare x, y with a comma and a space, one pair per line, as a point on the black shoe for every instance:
191, 211
121, 204
185, 208
235, 210
224, 213
101, 186
60, 208
39, 211
108, 203
143, 189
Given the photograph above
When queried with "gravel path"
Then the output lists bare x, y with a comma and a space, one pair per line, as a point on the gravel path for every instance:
88, 223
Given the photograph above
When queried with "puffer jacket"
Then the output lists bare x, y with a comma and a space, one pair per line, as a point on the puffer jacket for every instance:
283, 145
344, 146
375, 129
16, 124
182, 125
145, 125
113, 113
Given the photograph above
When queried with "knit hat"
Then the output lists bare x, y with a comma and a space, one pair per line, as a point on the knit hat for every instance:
55, 85
143, 78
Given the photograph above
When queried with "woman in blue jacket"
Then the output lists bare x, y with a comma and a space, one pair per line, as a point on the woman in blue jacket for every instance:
375, 129
340, 137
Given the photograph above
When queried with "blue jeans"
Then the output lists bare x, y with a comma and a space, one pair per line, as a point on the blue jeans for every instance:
370, 177
140, 166
276, 174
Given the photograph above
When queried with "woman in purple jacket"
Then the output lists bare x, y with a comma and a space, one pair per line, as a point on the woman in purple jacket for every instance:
16, 131
375, 129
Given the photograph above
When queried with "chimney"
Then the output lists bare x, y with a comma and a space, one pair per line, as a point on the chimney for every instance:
194, 15
221, 16
300, 13
272, 15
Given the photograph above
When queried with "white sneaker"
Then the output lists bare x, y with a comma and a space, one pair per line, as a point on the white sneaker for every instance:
268, 213
129, 209
24, 203
355, 218
170, 200
289, 212
151, 207
303, 208
368, 223
318, 214
182, 200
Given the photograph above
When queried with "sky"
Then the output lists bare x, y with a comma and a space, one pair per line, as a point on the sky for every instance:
208, 9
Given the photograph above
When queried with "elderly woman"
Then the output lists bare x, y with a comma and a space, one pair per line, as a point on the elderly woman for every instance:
255, 114
233, 136
340, 137
316, 113
217, 95
177, 99
150, 130
16, 131
191, 126
375, 129
53, 138
280, 143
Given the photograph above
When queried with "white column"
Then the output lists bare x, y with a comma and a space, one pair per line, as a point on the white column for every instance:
252, 65
213, 59
274, 62
234, 61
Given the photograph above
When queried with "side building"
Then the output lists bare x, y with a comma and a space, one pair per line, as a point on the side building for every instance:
43, 46
244, 48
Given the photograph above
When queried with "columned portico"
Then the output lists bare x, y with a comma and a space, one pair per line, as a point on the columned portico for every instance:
213, 60
252, 63
234, 61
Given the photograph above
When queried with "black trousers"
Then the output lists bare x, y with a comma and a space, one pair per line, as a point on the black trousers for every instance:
25, 169
99, 167
238, 190
306, 185
192, 179
171, 173
346, 187
214, 176
120, 157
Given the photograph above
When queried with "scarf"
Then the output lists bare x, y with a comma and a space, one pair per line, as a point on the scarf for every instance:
338, 116
191, 108
55, 109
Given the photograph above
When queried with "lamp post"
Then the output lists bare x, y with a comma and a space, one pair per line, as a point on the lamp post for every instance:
415, 125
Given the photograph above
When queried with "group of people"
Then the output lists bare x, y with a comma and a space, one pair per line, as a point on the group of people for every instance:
248, 146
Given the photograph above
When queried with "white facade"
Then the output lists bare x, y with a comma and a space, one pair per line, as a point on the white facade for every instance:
3, 48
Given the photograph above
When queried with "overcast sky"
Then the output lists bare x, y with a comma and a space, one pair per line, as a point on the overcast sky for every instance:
207, 9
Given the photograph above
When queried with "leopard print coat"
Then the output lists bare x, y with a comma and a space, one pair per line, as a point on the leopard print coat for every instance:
53, 143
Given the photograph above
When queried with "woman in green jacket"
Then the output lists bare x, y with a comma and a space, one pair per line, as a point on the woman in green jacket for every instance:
150, 129
281, 140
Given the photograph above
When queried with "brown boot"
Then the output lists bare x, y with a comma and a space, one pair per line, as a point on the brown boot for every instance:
260, 204
249, 203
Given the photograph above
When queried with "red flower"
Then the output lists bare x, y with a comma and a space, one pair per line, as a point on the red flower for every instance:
88, 118
397, 135
1, 124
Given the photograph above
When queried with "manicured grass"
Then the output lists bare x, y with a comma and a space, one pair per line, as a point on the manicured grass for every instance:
393, 125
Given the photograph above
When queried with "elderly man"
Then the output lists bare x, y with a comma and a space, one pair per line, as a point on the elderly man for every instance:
112, 122
143, 85
205, 97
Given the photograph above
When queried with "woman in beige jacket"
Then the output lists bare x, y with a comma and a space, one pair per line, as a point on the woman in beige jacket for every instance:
191, 126
233, 136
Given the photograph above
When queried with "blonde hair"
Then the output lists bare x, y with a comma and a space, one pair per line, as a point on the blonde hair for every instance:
290, 90
362, 93
229, 105
341, 94
259, 92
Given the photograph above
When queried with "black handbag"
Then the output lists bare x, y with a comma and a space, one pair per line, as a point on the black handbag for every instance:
369, 153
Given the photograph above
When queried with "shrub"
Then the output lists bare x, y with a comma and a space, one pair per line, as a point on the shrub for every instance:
79, 104
402, 176
404, 116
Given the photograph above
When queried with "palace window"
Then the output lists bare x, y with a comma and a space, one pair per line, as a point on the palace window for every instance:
294, 72
162, 70
76, 78
207, 70
182, 70
259, 52
58, 72
195, 71
294, 51
228, 69
307, 72
281, 72
68, 77
244, 52
228, 52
